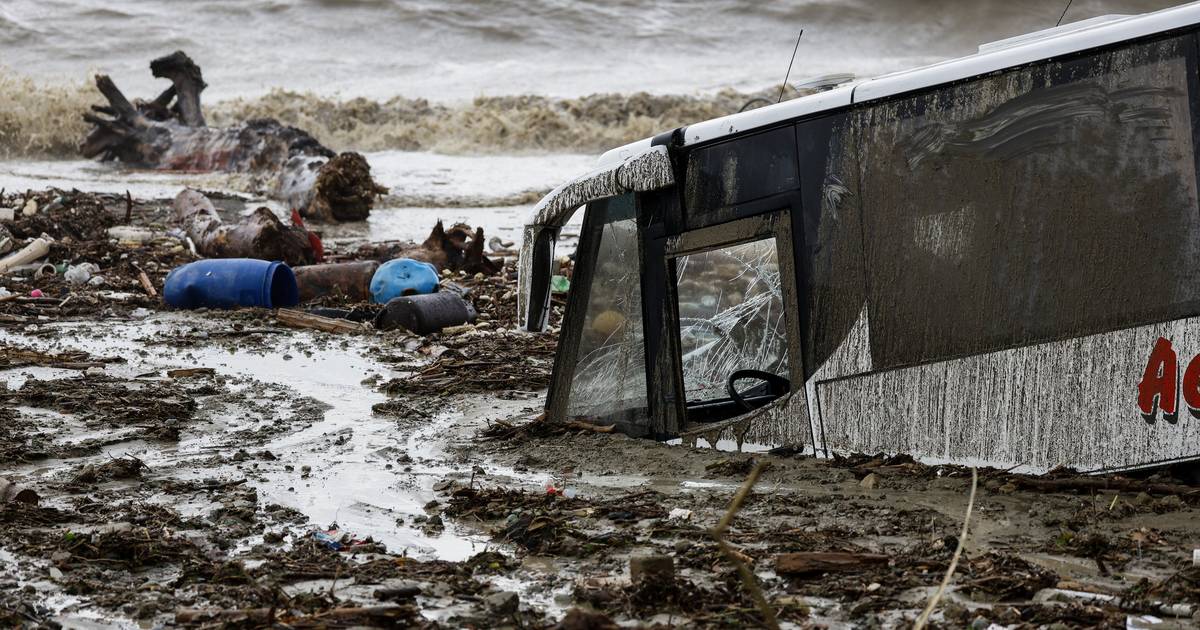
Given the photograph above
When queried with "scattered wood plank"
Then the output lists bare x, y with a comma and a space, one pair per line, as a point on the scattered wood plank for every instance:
813, 562
190, 372
300, 319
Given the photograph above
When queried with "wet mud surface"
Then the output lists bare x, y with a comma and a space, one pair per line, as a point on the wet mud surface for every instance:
218, 469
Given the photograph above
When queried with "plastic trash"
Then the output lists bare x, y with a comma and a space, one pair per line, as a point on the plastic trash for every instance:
36, 293
131, 234
425, 314
231, 282
79, 274
37, 248
403, 276
31, 208
560, 284
350, 279
680, 514
8, 214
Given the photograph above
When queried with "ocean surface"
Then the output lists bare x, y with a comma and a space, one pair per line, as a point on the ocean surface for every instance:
506, 98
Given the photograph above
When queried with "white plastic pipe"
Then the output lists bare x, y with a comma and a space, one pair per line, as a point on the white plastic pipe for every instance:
31, 252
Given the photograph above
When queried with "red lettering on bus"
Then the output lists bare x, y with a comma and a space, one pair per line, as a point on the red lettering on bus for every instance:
1158, 389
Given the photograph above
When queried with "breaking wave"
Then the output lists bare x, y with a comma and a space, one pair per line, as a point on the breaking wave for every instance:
44, 120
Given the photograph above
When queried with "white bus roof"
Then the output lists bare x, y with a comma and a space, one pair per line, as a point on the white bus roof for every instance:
1015, 51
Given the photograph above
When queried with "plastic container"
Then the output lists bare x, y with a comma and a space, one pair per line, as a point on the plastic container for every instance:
403, 276
351, 280
231, 282
425, 314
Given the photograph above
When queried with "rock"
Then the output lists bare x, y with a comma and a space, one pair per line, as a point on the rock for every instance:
980, 623
444, 484
870, 482
398, 592
56, 573
503, 602
10, 492
1169, 503
656, 568
60, 556
1142, 499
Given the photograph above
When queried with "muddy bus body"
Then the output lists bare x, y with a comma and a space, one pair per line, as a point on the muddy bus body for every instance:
994, 260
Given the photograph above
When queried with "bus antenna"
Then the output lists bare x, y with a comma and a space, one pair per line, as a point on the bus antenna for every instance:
789, 70
1064, 14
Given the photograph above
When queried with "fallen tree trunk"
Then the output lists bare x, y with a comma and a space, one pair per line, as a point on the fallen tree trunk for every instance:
288, 163
261, 235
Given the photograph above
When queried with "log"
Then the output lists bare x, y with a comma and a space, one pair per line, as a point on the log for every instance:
300, 319
288, 163
808, 563
261, 235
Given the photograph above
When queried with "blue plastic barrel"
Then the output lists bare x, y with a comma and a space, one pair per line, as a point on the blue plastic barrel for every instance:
402, 276
231, 282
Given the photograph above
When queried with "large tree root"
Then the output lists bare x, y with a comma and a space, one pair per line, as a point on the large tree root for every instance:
169, 133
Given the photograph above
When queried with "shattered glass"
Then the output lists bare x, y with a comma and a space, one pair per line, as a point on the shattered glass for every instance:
610, 375
731, 316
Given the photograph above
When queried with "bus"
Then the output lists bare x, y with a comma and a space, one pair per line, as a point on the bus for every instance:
993, 261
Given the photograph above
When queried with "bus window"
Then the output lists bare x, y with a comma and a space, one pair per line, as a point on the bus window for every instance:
610, 371
739, 171
1043, 203
732, 327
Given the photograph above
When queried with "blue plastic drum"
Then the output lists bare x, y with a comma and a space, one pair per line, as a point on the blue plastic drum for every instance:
403, 276
231, 282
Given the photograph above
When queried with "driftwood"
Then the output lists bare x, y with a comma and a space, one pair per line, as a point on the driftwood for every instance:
300, 319
807, 563
261, 235
459, 248
170, 133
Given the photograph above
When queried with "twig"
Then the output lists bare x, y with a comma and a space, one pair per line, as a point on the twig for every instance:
146, 284
962, 541
718, 533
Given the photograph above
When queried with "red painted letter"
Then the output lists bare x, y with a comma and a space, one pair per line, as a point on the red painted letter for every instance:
1191, 386
1157, 387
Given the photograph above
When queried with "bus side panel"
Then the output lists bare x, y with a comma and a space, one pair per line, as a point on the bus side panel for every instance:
1074, 403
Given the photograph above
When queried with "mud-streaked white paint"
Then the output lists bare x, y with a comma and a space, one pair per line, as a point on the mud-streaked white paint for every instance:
1064, 403
641, 171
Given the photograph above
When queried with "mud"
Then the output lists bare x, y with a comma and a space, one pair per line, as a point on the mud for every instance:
217, 469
